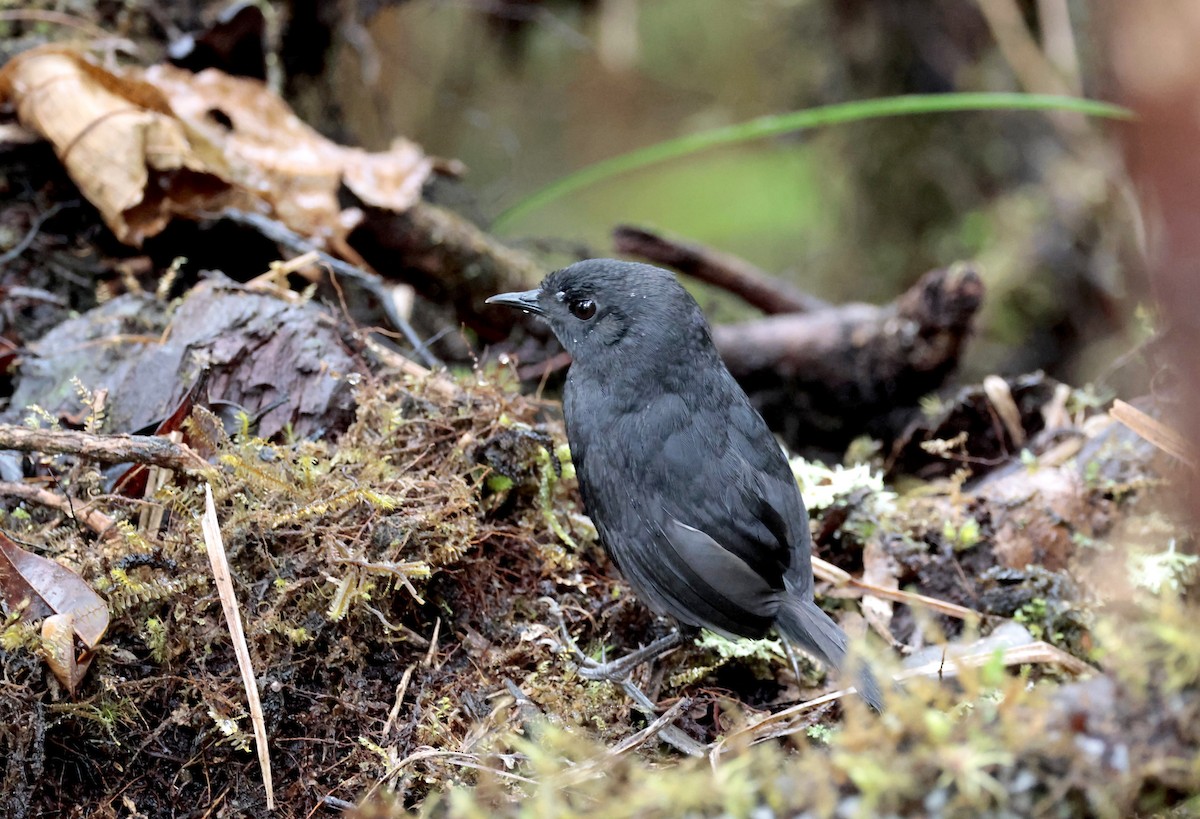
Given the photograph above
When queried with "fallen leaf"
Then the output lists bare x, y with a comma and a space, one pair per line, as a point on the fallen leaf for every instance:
49, 589
274, 154
116, 137
58, 648
146, 145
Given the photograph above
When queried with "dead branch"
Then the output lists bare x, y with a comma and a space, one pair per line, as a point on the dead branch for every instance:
1156, 432
826, 571
368, 280
108, 449
98, 522
840, 368
447, 259
722, 270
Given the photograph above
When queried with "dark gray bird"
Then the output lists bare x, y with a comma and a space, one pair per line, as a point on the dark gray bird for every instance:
691, 495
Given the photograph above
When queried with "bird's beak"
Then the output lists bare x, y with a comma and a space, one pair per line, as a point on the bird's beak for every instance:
527, 301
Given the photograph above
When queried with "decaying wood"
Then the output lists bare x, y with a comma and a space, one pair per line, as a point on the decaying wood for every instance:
447, 259
838, 369
285, 363
756, 287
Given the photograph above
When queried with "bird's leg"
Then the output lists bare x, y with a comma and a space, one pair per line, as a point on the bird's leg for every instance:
791, 655
568, 641
618, 670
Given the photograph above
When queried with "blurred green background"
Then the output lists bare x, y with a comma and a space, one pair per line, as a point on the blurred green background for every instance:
526, 92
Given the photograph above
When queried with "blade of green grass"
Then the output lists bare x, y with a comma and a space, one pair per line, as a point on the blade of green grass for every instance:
775, 124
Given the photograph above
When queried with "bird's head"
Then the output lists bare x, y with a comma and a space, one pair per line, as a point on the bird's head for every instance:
602, 310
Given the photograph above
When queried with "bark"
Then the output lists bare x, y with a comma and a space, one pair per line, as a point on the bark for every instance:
821, 378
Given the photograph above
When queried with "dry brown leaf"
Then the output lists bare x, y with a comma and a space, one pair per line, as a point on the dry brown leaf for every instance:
276, 155
71, 608
58, 649
115, 136
50, 588
145, 145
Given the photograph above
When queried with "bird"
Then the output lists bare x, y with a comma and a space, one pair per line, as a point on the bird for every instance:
692, 497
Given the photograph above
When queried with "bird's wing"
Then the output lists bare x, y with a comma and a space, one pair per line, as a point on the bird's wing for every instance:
740, 491
781, 509
714, 585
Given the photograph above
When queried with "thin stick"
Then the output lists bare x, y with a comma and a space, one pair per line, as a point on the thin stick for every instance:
215, 547
670, 734
108, 449
431, 655
650, 731
1031, 654
722, 270
401, 690
1154, 431
441, 386
832, 574
371, 282
1036, 653
98, 522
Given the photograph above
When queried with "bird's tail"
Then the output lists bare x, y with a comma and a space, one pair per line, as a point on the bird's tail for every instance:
803, 622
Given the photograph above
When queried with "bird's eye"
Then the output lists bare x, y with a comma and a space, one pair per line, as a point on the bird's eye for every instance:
583, 309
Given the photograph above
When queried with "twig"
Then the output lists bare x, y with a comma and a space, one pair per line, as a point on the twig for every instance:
108, 449
449, 259
459, 758
599, 766
215, 547
26, 240
527, 709
652, 730
409, 635
441, 386
725, 271
1154, 431
1032, 653
371, 282
98, 522
88, 29
431, 655
1000, 395
1036, 73
150, 517
1036, 653
755, 733
832, 574
670, 734
401, 690
1058, 40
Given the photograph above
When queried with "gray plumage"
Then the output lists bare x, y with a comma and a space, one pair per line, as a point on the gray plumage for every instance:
691, 495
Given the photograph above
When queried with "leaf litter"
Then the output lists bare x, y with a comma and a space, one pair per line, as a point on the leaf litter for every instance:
402, 547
